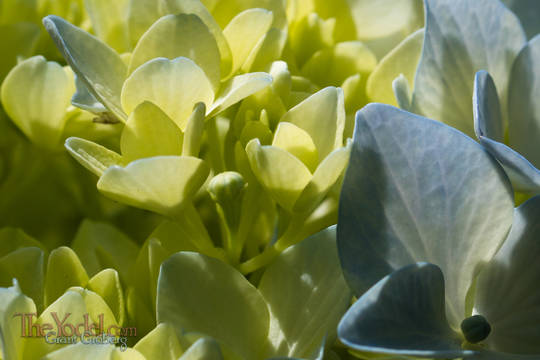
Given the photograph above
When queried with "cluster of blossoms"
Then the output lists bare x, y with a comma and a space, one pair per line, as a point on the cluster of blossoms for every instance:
172, 173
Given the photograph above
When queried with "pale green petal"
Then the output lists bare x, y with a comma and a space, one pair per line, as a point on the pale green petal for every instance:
238, 88
507, 289
94, 237
109, 22
173, 36
244, 31
175, 86
403, 59
161, 184
161, 343
267, 50
203, 349
322, 115
523, 104
27, 265
150, 132
197, 8
12, 302
331, 66
450, 212
107, 284
309, 34
307, 295
92, 156
402, 92
382, 24
141, 15
201, 294
282, 174
326, 175
528, 12
296, 141
462, 37
35, 95
64, 270
98, 66
225, 11
194, 131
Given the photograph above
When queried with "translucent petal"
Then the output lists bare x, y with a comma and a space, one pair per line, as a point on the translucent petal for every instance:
322, 115
326, 175
201, 294
282, 174
13, 301
107, 284
507, 289
238, 88
64, 270
35, 95
461, 38
98, 66
175, 86
488, 120
173, 36
403, 314
244, 32
331, 66
160, 343
109, 23
403, 59
92, 236
444, 210
141, 15
523, 105
161, 184
92, 156
197, 8
150, 132
524, 176
306, 294
296, 141
203, 349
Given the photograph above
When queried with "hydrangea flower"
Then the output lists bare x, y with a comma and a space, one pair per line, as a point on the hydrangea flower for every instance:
434, 196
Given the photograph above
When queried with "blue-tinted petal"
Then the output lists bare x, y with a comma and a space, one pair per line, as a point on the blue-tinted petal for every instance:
523, 175
507, 292
418, 190
403, 314
487, 108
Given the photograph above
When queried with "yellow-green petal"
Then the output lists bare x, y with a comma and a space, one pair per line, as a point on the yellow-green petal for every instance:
296, 141
64, 270
244, 31
403, 59
161, 343
238, 88
322, 115
326, 175
175, 86
109, 22
282, 174
92, 156
150, 132
35, 95
197, 8
185, 35
161, 184
107, 284
203, 349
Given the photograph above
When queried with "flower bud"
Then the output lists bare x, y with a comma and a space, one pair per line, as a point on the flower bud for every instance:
475, 328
